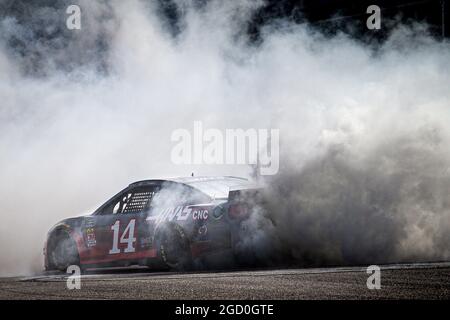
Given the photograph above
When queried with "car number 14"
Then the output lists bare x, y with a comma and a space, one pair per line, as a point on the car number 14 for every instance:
127, 237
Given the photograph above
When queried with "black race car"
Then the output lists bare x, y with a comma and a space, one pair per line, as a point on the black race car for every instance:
154, 223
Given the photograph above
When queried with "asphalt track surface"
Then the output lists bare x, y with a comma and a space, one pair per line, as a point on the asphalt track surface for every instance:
399, 281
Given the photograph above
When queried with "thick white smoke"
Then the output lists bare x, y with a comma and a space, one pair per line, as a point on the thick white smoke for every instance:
365, 139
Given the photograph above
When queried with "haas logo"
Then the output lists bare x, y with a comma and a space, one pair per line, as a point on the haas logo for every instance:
169, 214
179, 213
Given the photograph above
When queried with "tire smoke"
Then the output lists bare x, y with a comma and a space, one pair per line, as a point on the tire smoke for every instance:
364, 163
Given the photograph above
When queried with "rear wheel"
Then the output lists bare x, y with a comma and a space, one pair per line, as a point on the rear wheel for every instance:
175, 250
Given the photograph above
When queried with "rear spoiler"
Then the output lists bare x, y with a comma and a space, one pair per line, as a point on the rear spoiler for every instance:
241, 200
240, 192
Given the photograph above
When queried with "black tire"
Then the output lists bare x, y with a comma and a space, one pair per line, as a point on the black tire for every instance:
174, 249
64, 252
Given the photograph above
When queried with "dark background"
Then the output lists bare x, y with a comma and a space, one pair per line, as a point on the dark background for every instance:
339, 15
351, 16
37, 37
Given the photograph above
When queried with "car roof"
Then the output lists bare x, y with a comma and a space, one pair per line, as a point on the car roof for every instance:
216, 187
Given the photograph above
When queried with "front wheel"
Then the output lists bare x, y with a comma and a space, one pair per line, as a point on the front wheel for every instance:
64, 252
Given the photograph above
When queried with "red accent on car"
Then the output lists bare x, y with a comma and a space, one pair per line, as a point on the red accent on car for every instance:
151, 253
199, 248
238, 211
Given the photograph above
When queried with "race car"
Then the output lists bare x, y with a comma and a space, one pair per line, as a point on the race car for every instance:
169, 223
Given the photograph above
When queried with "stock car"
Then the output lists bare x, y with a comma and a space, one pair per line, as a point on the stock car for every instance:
166, 223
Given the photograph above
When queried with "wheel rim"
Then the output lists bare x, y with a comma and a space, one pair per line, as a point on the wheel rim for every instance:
173, 249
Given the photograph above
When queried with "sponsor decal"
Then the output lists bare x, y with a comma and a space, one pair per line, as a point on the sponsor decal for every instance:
89, 222
179, 213
202, 230
90, 237
218, 212
200, 214
146, 242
